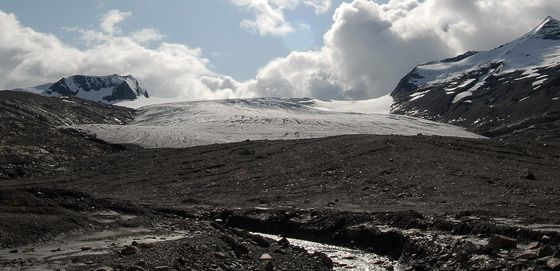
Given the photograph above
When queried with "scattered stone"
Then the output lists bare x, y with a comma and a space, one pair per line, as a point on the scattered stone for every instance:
265, 257
553, 264
85, 248
330, 204
502, 242
130, 250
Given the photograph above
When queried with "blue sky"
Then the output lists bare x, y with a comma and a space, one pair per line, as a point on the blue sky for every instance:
212, 25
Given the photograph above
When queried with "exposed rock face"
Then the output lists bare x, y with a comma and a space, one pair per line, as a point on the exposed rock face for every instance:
511, 91
105, 89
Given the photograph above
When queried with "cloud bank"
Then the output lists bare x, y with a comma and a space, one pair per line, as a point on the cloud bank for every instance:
371, 46
30, 58
368, 48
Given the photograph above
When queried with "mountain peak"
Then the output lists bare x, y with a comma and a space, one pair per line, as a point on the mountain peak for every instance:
548, 29
106, 89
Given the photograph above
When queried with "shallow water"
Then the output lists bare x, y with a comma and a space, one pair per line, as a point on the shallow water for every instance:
345, 258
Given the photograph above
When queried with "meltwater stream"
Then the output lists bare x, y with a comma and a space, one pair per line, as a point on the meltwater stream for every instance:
345, 258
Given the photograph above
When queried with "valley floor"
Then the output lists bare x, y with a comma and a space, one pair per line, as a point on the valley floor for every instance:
431, 203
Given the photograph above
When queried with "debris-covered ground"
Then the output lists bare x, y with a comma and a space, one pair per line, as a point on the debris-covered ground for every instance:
409, 203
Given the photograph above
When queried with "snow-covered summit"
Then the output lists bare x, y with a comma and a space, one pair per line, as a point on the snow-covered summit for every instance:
548, 29
540, 47
106, 89
515, 84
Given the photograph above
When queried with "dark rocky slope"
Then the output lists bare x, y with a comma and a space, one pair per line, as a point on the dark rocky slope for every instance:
30, 140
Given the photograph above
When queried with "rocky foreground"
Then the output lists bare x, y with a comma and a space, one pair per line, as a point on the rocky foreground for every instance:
418, 203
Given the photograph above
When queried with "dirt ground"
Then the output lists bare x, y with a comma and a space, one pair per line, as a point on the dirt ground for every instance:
432, 175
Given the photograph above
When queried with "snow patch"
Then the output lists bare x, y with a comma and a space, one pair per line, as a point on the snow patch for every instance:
418, 95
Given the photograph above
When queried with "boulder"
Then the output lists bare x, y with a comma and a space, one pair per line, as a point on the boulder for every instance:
130, 250
553, 264
265, 257
502, 242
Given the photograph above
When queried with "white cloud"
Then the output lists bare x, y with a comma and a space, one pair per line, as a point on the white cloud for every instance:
270, 18
371, 46
111, 19
29, 58
146, 35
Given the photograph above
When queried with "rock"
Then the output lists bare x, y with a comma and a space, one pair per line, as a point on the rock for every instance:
177, 265
13, 251
330, 204
268, 266
284, 242
543, 260
545, 251
502, 242
531, 176
130, 250
136, 268
261, 241
240, 249
325, 260
142, 264
85, 248
528, 255
220, 255
553, 264
265, 257
182, 261
104, 268
534, 245
162, 268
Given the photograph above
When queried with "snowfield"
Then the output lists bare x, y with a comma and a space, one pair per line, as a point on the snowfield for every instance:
187, 124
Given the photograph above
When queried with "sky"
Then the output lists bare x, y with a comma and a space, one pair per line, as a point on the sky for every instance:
212, 49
